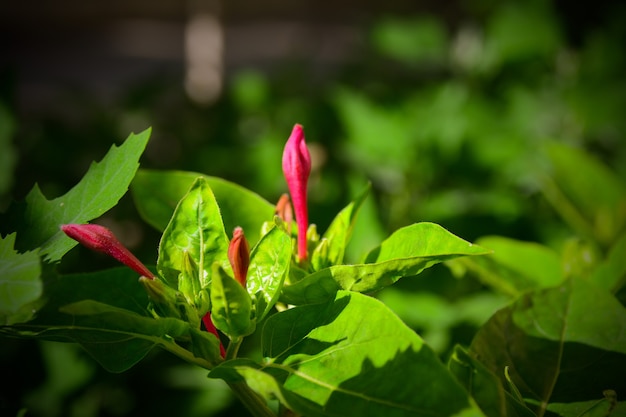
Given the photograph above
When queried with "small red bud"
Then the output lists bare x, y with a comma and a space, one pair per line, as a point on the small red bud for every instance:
284, 210
101, 239
239, 255
210, 327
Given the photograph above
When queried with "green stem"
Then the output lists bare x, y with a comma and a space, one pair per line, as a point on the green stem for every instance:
252, 401
233, 348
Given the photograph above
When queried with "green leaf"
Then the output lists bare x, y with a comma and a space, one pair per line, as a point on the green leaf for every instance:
484, 387
105, 312
561, 344
195, 231
586, 193
156, 194
340, 230
406, 252
20, 283
353, 357
231, 306
607, 406
423, 240
99, 190
516, 266
269, 265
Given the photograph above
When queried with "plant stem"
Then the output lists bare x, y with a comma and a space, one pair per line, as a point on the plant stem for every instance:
233, 348
253, 401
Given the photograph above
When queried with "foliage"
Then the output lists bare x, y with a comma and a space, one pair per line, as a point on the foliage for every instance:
329, 349
514, 142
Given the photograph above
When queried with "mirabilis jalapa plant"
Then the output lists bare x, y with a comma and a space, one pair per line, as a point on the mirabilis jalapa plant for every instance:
328, 347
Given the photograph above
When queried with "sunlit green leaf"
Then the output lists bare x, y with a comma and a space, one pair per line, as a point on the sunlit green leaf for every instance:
156, 194
20, 282
38, 220
406, 252
269, 265
195, 231
353, 356
231, 306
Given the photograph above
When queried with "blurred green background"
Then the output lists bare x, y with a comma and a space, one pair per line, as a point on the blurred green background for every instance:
448, 110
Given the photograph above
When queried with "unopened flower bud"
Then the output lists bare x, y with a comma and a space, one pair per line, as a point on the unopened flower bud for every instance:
101, 239
297, 167
239, 255
210, 327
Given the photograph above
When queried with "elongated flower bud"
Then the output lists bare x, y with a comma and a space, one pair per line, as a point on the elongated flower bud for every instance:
210, 327
297, 167
284, 210
239, 255
101, 239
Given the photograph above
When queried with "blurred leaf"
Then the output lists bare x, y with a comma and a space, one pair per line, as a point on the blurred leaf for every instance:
408, 251
20, 282
339, 232
195, 230
434, 316
508, 38
413, 41
269, 265
343, 358
105, 312
562, 344
37, 220
586, 193
250, 90
156, 194
611, 273
516, 266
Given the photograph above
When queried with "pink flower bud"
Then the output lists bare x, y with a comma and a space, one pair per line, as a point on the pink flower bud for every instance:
210, 327
297, 167
101, 239
239, 255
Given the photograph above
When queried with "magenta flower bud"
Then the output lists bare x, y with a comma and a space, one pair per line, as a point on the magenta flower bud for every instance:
239, 255
210, 327
297, 167
101, 239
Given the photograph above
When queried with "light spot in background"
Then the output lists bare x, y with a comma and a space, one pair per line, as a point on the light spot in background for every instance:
204, 42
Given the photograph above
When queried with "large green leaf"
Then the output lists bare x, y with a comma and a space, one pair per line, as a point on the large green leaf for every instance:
406, 252
20, 282
353, 357
269, 265
586, 193
516, 266
484, 387
156, 194
105, 312
38, 220
563, 344
195, 231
